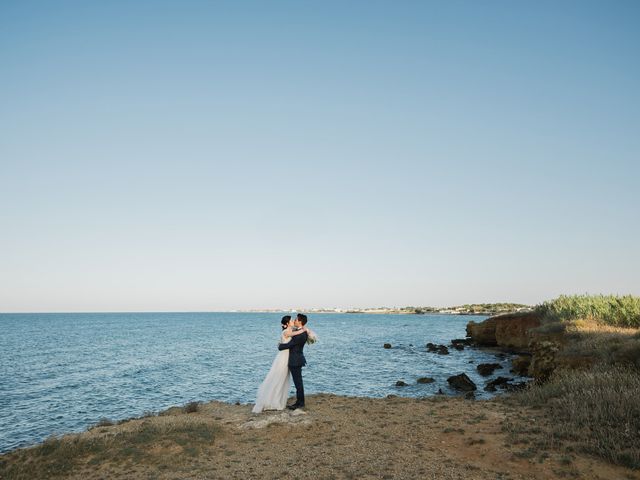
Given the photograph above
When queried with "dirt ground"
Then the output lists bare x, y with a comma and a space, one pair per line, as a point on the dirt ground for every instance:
334, 437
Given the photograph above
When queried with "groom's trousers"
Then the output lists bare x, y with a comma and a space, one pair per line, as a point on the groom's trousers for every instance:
296, 373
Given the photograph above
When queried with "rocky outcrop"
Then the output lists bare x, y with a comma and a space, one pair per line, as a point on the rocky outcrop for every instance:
543, 360
483, 333
513, 330
509, 331
542, 350
462, 382
520, 365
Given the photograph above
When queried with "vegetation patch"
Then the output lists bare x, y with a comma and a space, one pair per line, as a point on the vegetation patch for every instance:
613, 310
145, 443
598, 410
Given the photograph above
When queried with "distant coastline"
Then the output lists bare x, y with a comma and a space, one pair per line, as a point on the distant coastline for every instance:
467, 309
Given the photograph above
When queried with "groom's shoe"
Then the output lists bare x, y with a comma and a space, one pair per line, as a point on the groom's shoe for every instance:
295, 406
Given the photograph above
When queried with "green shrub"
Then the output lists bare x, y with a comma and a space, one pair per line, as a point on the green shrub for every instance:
607, 309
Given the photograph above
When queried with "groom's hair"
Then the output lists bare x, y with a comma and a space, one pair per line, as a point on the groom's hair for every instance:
302, 318
285, 321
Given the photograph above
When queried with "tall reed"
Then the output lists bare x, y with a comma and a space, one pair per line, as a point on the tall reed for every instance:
618, 311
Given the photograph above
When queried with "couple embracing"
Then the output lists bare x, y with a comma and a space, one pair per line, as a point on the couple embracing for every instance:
274, 390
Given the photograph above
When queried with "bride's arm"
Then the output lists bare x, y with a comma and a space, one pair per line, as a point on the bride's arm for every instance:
290, 333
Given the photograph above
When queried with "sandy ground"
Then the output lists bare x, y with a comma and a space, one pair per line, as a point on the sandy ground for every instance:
342, 438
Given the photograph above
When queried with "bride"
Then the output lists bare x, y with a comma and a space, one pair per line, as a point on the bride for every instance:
274, 389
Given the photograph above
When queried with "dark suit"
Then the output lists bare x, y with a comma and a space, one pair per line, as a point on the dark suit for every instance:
296, 362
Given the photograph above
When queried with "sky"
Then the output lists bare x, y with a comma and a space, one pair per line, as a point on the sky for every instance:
213, 155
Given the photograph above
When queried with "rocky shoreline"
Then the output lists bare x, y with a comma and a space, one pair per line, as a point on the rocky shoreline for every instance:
539, 352
334, 437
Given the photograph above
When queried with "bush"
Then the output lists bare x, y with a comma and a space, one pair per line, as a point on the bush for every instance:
191, 407
607, 309
598, 408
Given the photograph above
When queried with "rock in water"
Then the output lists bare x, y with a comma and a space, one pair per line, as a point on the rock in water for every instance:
439, 349
461, 342
497, 382
486, 369
462, 382
400, 383
387, 345
426, 380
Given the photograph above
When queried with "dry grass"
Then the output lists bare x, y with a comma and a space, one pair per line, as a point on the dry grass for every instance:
135, 442
340, 437
608, 344
597, 410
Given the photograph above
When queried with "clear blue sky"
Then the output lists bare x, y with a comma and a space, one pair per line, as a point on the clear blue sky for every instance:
194, 155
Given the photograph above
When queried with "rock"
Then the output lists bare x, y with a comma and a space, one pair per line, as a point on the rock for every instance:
459, 343
543, 362
483, 333
520, 365
486, 369
443, 350
462, 382
509, 330
387, 345
439, 392
400, 383
512, 330
497, 382
514, 387
470, 396
426, 380
440, 349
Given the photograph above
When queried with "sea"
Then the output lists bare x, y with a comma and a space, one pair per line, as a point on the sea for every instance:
63, 372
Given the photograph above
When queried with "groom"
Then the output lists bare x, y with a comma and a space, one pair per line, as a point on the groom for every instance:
296, 359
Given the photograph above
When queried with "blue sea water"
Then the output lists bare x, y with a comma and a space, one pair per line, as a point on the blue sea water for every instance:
63, 372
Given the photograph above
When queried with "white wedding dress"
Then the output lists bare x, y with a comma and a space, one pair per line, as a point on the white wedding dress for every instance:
274, 389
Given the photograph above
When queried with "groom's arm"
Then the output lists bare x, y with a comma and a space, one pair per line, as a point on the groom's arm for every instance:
297, 340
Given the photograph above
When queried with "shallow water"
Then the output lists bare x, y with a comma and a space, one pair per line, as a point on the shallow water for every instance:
63, 372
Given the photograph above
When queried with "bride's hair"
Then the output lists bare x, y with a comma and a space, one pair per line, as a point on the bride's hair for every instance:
285, 321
